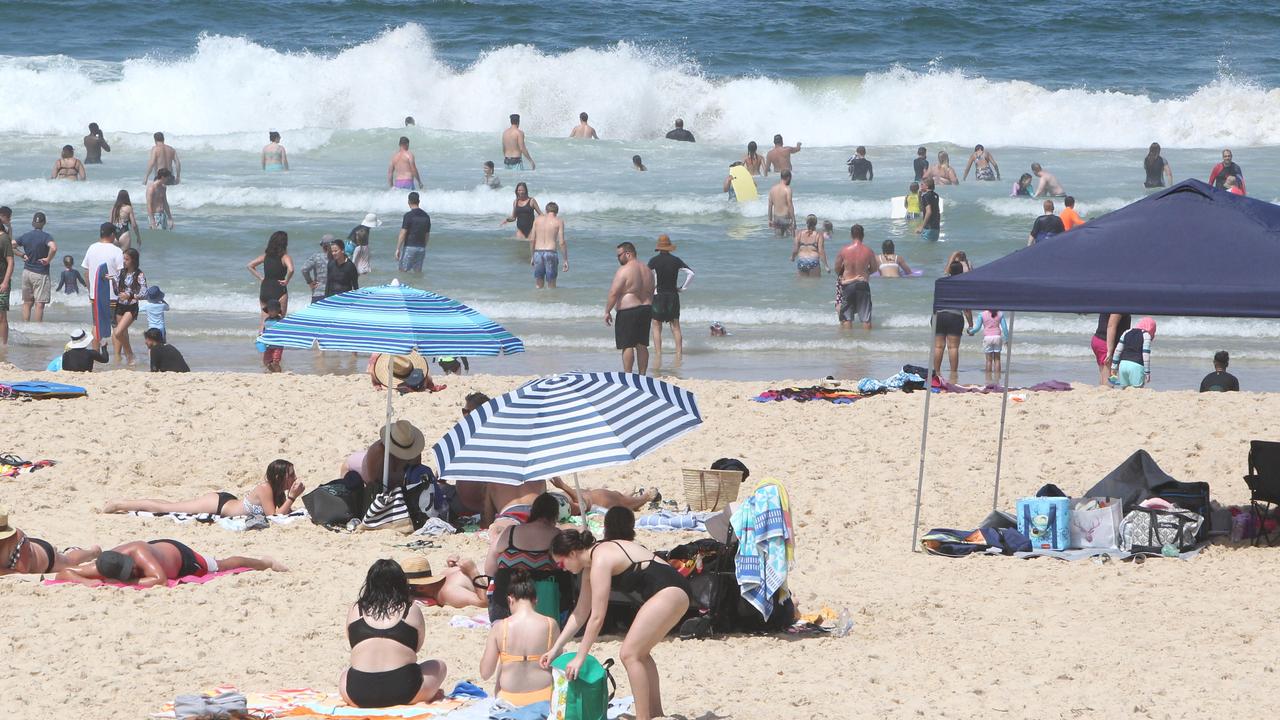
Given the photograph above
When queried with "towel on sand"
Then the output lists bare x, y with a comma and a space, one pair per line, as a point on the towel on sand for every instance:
184, 580
666, 520
234, 524
766, 545
308, 703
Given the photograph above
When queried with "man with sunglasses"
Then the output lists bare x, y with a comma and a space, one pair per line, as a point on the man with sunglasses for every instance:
632, 294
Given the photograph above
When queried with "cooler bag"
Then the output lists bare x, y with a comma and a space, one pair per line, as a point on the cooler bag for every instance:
1149, 530
1046, 521
1193, 496
587, 697
1095, 522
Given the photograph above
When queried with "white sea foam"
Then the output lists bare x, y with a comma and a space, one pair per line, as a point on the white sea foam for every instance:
221, 89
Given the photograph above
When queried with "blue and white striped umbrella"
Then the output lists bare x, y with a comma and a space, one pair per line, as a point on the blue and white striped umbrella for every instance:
395, 319
563, 424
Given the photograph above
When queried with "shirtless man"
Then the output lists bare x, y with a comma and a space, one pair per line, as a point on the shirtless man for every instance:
158, 201
403, 171
779, 158
632, 293
986, 164
854, 265
582, 132
94, 145
753, 161
156, 562
1048, 183
21, 553
782, 211
513, 149
163, 157
546, 237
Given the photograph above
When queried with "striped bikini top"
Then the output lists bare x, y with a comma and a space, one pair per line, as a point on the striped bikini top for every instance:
532, 560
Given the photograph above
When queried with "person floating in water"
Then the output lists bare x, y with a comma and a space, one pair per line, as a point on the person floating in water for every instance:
637, 164
274, 158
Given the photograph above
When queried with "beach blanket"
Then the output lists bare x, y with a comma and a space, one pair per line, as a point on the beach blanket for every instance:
668, 521
234, 524
184, 580
12, 466
805, 394
1047, 386
766, 546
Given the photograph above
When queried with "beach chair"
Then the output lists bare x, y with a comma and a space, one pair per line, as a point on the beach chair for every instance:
710, 490
1264, 485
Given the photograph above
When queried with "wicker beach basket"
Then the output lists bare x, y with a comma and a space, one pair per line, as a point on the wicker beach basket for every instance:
710, 490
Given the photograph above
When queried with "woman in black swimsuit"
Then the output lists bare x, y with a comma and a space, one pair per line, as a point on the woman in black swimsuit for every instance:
385, 629
523, 210
20, 553
277, 270
628, 568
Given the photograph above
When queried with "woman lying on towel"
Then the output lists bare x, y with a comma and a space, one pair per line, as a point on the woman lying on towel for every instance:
630, 568
517, 642
21, 553
454, 587
604, 498
156, 562
273, 496
385, 629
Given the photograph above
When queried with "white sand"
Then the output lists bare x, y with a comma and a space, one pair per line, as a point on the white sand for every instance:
934, 637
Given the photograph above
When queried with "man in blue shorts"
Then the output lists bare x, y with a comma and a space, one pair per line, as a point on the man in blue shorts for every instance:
931, 228
546, 237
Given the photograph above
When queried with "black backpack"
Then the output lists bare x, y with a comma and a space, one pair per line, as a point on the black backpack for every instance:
336, 502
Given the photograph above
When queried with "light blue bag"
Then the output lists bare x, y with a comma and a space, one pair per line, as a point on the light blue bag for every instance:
1046, 521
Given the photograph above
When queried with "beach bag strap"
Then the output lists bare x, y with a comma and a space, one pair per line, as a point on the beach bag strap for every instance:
613, 684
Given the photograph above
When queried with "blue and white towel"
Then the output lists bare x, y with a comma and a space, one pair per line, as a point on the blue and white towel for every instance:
234, 524
668, 521
761, 563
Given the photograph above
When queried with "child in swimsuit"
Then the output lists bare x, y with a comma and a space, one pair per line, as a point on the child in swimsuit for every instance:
517, 642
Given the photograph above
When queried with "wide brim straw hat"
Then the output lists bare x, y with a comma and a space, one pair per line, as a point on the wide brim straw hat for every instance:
401, 367
417, 570
406, 441
6, 530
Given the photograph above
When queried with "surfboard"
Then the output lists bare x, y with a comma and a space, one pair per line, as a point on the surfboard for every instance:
100, 308
898, 208
744, 187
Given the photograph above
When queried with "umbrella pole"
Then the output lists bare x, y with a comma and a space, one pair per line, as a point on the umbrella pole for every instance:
1004, 409
924, 437
386, 434
582, 505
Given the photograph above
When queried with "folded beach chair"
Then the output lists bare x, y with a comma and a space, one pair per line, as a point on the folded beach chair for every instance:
1264, 485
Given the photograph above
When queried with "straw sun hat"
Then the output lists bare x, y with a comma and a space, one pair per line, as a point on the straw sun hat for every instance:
407, 441
401, 367
6, 530
417, 570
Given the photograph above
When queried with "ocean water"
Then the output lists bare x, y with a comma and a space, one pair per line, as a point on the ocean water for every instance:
337, 78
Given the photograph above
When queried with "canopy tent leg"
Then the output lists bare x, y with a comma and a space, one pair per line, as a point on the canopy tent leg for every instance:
1004, 409
924, 437
582, 504
386, 431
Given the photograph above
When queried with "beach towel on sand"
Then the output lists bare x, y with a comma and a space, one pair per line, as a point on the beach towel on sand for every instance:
184, 580
766, 546
13, 466
234, 524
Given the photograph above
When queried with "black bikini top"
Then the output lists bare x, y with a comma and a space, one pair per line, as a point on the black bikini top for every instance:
402, 632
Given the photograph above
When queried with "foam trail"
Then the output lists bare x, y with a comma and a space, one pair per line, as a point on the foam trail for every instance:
220, 89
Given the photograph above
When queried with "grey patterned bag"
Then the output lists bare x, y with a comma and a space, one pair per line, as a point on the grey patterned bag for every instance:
1149, 530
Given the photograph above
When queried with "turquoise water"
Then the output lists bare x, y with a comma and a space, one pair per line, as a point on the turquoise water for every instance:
336, 79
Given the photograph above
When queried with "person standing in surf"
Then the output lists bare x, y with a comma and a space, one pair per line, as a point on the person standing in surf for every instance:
94, 145
921, 163
274, 158
523, 210
582, 131
666, 296
514, 150
158, 201
782, 209
163, 157
931, 206
6, 271
753, 161
982, 159
854, 264
277, 271
779, 158
1225, 169
1156, 168
549, 254
125, 221
1048, 184
402, 172
632, 294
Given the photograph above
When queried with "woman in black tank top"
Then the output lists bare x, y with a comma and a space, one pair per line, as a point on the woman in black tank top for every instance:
627, 567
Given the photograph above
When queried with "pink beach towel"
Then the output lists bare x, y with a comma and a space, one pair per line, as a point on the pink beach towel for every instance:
185, 580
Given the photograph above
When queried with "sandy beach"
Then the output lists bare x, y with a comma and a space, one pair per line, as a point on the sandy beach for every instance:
933, 637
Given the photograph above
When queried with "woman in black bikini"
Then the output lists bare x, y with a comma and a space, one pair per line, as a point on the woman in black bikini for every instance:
68, 167
629, 568
277, 270
275, 495
385, 629
523, 210
20, 553
131, 286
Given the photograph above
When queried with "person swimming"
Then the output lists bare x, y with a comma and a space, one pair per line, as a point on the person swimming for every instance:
892, 265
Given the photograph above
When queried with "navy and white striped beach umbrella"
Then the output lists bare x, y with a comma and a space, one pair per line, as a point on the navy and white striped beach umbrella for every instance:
396, 319
563, 424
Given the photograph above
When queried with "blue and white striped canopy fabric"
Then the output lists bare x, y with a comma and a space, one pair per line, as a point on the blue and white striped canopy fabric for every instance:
563, 424
396, 319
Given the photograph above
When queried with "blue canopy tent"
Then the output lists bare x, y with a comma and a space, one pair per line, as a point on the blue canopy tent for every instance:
1189, 250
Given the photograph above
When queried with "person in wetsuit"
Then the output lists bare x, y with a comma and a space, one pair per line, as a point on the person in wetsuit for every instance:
1156, 167
385, 629
626, 567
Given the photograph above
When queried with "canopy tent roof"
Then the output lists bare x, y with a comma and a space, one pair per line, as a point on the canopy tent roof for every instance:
1188, 250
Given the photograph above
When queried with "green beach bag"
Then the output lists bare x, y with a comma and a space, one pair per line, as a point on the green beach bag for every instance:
548, 599
586, 698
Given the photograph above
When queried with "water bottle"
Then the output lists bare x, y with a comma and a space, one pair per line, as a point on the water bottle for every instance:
844, 623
